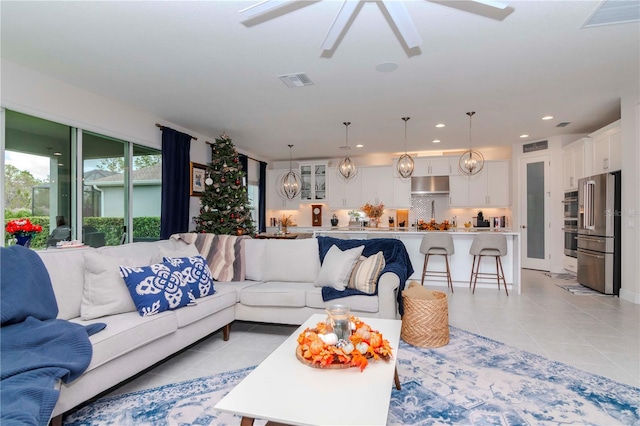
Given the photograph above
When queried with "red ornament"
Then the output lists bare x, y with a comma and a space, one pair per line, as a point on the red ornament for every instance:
237, 182
235, 160
221, 220
223, 180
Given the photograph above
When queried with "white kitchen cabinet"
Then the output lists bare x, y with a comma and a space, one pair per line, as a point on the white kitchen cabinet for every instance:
401, 193
573, 162
489, 188
458, 191
314, 182
343, 194
377, 185
274, 200
607, 149
432, 166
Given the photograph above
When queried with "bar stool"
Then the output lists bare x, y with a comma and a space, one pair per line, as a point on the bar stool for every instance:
488, 245
437, 243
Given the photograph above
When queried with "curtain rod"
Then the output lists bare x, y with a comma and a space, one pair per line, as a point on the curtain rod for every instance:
162, 128
250, 158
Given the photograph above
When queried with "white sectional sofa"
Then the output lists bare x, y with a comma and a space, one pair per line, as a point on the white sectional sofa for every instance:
278, 288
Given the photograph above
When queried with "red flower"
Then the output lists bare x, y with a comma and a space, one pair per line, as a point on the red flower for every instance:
22, 227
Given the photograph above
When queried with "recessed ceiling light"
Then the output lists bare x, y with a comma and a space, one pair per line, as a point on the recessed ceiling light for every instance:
359, 145
386, 67
440, 125
435, 141
524, 136
547, 117
57, 153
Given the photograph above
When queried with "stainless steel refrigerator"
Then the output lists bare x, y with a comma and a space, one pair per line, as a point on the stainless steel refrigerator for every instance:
599, 232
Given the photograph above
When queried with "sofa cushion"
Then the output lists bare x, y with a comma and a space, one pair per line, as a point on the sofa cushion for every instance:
105, 293
156, 288
209, 305
291, 260
364, 276
360, 303
125, 333
337, 266
196, 272
236, 286
180, 250
276, 293
254, 249
66, 270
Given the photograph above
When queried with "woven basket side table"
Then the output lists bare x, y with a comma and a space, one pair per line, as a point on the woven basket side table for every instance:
425, 323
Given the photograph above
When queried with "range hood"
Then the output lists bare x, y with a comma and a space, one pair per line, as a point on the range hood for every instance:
430, 185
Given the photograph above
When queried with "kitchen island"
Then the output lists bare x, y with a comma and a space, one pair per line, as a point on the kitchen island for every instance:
460, 262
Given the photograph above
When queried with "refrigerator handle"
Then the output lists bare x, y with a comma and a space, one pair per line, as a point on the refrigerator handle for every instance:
589, 204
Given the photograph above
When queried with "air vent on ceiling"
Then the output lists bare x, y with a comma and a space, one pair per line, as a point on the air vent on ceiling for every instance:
298, 79
563, 124
614, 12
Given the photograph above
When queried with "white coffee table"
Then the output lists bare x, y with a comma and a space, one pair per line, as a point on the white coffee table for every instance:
282, 389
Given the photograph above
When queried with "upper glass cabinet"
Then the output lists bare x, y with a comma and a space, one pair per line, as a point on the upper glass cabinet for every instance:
314, 181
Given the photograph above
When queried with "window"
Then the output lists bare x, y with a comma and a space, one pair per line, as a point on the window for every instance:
121, 183
38, 175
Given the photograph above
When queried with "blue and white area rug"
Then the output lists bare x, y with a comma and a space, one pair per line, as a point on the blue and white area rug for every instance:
471, 381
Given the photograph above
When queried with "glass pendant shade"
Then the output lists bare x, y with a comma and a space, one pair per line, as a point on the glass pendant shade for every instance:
471, 161
290, 183
405, 165
347, 167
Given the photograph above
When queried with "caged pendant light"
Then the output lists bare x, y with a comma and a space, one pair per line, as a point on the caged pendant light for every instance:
290, 183
347, 167
471, 161
405, 162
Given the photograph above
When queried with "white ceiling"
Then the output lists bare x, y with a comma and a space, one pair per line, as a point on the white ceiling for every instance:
197, 65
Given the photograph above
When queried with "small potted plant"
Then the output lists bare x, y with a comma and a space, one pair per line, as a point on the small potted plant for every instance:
22, 230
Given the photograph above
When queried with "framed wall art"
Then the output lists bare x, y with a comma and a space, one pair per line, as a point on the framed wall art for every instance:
198, 175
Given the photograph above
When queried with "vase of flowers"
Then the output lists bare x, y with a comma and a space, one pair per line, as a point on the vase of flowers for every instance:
373, 212
22, 230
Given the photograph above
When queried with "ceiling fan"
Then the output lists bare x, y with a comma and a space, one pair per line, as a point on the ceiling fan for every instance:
396, 10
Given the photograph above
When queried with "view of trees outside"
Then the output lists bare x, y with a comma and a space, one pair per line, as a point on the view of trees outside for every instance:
139, 162
18, 190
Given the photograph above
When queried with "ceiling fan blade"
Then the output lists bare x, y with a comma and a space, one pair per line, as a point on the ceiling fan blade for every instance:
339, 24
400, 16
262, 7
491, 3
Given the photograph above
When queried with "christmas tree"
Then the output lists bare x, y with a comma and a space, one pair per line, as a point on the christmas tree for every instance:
225, 203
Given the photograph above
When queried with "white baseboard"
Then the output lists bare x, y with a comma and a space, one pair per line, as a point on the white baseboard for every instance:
630, 296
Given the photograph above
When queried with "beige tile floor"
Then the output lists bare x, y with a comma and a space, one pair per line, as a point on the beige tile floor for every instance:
600, 334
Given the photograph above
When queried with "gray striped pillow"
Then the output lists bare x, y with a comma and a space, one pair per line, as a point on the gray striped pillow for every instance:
364, 276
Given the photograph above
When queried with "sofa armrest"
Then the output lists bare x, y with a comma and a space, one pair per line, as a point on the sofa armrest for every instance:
387, 290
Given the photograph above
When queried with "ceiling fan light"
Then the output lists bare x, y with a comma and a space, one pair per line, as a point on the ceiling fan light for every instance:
405, 165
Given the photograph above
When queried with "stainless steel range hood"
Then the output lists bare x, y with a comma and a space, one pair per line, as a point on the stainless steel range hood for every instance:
430, 185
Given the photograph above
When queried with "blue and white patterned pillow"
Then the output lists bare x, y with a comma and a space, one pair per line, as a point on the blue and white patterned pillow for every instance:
196, 271
156, 288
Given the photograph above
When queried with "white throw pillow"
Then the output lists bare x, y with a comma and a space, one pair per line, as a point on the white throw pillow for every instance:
105, 292
337, 266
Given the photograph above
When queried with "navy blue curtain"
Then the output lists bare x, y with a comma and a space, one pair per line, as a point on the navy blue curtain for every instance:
262, 199
174, 216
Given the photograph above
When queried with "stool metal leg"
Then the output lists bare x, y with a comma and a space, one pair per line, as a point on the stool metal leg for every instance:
502, 275
449, 281
477, 271
424, 268
472, 266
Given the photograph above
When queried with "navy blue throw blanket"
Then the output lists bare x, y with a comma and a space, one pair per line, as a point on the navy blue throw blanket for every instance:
396, 260
36, 349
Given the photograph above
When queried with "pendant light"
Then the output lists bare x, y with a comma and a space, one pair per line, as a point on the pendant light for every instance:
290, 183
471, 161
347, 166
405, 162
